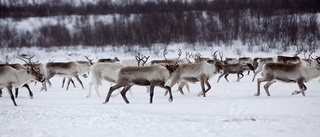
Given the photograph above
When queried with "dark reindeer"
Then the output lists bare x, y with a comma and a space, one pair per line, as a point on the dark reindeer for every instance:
108, 60
235, 69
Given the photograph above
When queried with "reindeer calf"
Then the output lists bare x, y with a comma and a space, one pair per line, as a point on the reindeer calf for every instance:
235, 69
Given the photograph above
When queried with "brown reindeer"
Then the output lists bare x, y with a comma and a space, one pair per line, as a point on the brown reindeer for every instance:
235, 69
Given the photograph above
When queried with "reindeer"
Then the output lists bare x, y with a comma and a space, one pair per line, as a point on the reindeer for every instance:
10, 77
18, 67
245, 61
84, 67
103, 71
195, 72
231, 61
287, 59
108, 60
258, 63
154, 75
69, 69
235, 69
296, 73
279, 59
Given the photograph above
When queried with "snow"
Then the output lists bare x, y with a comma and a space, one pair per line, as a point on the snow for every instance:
229, 110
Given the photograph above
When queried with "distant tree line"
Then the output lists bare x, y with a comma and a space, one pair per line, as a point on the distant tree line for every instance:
278, 23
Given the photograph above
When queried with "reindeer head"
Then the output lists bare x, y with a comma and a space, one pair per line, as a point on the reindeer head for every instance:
217, 64
172, 67
33, 68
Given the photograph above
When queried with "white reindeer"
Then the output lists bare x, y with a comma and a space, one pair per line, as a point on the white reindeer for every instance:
195, 72
103, 71
10, 77
296, 73
155, 75
18, 67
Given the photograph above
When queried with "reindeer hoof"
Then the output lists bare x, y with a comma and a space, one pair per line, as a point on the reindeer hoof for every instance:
256, 94
296, 92
170, 100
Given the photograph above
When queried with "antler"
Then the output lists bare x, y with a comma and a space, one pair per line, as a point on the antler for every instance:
179, 55
220, 55
165, 52
298, 52
25, 59
311, 52
188, 56
142, 58
90, 60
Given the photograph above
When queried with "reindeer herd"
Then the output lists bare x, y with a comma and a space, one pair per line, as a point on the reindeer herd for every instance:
163, 73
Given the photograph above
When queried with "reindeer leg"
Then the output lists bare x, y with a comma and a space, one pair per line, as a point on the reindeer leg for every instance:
72, 82
226, 77
302, 87
1, 92
258, 83
187, 86
68, 84
77, 77
220, 77
238, 74
124, 92
255, 74
63, 80
30, 92
148, 89
181, 85
168, 89
16, 92
266, 86
208, 85
96, 88
151, 93
90, 87
11, 95
202, 87
113, 88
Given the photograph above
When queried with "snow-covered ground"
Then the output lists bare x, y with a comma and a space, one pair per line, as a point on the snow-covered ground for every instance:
230, 109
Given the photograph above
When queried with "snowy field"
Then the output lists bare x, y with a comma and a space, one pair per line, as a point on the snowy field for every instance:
230, 109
